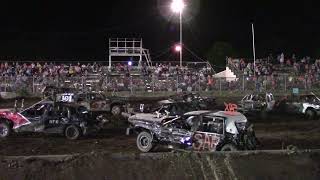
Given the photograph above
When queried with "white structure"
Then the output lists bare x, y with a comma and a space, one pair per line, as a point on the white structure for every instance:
128, 47
177, 6
227, 74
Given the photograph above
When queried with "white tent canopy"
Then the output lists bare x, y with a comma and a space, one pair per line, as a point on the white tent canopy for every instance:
227, 74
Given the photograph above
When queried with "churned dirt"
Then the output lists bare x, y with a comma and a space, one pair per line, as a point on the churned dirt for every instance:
274, 132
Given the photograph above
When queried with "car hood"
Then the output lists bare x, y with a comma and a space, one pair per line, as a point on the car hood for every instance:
15, 117
150, 117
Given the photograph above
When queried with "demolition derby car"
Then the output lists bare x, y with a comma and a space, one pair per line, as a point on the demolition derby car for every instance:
201, 101
95, 102
256, 103
52, 91
306, 104
196, 130
180, 104
70, 120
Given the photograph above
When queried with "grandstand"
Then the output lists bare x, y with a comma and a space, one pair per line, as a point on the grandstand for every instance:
162, 76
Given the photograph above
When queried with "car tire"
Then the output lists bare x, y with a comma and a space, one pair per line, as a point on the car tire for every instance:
144, 141
229, 147
5, 129
72, 132
116, 110
310, 114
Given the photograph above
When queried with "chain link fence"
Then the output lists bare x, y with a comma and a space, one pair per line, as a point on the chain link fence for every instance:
153, 84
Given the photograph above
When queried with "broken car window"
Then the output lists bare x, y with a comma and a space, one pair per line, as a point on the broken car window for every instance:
212, 125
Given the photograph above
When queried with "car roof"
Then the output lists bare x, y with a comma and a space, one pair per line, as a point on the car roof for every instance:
225, 114
230, 116
259, 94
166, 101
196, 113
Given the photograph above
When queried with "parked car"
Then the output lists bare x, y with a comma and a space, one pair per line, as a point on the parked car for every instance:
196, 130
68, 119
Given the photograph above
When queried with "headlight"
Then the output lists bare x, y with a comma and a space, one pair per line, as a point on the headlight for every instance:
241, 126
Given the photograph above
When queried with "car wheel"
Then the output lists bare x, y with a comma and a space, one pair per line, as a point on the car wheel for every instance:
5, 130
72, 132
310, 114
144, 141
229, 147
116, 110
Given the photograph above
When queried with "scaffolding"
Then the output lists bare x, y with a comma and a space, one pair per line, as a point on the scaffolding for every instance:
128, 47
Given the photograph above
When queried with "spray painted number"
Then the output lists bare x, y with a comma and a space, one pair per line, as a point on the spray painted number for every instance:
66, 98
205, 142
53, 121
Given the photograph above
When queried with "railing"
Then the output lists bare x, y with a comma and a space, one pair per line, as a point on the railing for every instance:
153, 84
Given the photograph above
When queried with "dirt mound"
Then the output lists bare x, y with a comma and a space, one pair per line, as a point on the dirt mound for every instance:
238, 165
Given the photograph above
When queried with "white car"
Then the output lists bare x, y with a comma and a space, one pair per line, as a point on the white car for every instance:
257, 102
196, 130
310, 106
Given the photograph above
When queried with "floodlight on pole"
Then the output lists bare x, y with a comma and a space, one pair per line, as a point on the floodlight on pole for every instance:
177, 6
178, 48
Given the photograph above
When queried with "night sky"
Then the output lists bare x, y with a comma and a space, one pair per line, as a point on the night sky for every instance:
80, 29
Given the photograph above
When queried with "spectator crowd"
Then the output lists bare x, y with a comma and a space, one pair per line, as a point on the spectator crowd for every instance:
282, 72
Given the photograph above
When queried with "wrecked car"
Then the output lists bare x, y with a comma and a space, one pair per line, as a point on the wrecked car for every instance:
70, 120
256, 103
196, 130
197, 100
179, 104
52, 91
168, 106
95, 102
306, 104
310, 106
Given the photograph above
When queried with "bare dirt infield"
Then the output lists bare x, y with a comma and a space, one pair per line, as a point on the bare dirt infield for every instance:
274, 132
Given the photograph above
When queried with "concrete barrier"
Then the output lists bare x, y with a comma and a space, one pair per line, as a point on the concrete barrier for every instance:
182, 165
8, 95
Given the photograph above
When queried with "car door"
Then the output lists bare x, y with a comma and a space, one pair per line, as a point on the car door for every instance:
97, 102
35, 115
83, 100
52, 119
209, 134
175, 131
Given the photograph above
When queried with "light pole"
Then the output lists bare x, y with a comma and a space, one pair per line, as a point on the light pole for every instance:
177, 6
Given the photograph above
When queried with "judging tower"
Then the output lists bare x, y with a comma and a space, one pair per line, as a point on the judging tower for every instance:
128, 47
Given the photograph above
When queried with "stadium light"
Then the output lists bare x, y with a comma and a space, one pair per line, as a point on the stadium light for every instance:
177, 6
178, 48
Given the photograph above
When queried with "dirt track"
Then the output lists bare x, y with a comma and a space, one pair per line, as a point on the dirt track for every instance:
274, 132
180, 165
273, 135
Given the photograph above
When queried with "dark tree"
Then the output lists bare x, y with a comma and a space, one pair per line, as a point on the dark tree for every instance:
217, 54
